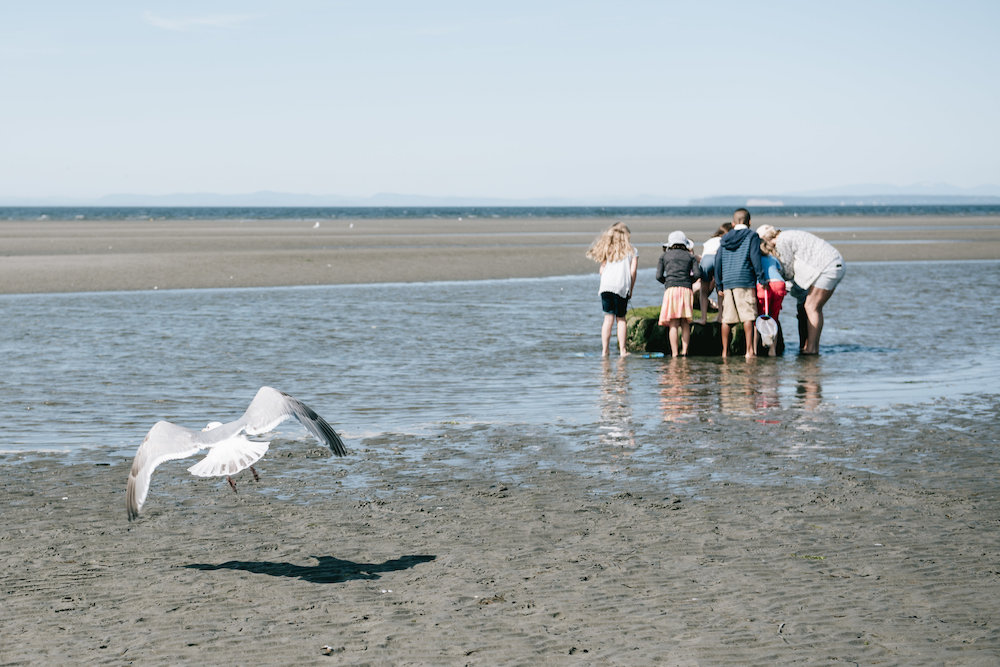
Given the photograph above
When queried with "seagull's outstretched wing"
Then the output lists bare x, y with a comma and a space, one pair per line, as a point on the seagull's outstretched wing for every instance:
270, 407
164, 442
230, 451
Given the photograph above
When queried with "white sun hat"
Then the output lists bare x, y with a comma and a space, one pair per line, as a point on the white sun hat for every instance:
678, 238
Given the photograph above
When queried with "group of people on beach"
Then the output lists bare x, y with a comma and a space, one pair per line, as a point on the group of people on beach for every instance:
751, 270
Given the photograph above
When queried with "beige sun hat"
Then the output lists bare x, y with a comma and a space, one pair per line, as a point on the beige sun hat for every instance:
767, 232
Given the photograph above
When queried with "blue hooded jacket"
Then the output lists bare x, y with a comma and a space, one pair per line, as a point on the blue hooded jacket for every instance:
738, 261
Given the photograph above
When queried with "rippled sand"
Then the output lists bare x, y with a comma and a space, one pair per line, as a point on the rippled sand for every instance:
879, 546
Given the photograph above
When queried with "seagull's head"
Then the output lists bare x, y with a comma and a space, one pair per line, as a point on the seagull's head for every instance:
210, 425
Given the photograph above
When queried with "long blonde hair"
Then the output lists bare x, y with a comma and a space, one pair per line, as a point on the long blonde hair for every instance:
613, 244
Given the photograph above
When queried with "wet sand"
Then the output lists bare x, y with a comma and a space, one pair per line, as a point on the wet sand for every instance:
809, 539
85, 255
870, 543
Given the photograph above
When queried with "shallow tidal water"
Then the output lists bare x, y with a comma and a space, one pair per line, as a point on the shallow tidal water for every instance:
490, 372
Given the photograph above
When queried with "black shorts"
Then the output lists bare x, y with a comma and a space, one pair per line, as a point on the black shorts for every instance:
614, 304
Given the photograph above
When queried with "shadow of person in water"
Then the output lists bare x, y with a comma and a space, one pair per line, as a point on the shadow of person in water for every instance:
328, 570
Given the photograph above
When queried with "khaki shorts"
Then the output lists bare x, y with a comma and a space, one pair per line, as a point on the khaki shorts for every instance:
739, 305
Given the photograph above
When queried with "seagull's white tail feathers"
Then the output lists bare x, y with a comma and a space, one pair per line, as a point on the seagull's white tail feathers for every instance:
229, 457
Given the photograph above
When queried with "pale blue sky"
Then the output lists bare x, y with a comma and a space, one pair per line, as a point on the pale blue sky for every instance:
502, 99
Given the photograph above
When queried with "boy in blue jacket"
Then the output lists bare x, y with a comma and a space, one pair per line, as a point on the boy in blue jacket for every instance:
737, 272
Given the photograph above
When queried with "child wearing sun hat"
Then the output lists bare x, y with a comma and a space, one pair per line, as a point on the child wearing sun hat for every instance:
677, 269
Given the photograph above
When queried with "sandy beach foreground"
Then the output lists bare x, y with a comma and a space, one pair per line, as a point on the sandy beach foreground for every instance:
93, 255
809, 535
883, 551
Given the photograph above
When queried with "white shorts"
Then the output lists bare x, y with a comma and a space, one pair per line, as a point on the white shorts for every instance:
831, 276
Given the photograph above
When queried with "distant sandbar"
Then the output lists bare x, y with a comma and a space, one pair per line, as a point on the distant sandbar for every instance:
42, 256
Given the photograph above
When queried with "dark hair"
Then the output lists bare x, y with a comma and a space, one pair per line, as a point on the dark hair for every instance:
739, 214
723, 228
678, 246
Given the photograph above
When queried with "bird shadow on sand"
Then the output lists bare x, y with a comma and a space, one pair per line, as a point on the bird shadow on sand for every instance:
328, 570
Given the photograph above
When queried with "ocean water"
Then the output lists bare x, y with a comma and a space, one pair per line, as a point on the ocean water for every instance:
473, 364
466, 212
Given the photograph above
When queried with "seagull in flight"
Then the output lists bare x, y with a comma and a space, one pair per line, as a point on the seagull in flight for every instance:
229, 449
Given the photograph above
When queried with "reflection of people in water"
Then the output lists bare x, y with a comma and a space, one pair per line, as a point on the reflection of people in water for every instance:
766, 378
677, 395
616, 406
735, 393
808, 387
748, 388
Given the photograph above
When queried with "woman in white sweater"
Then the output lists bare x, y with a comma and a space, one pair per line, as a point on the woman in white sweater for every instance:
814, 265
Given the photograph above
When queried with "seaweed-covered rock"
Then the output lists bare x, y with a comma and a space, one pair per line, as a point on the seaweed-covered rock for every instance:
646, 335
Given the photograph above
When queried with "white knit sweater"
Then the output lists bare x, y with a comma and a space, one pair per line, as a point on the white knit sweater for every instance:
804, 256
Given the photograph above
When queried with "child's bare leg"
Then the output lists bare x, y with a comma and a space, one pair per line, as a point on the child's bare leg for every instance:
672, 334
749, 337
685, 336
725, 340
622, 336
703, 291
609, 321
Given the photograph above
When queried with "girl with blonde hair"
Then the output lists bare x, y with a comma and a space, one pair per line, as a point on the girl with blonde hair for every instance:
619, 262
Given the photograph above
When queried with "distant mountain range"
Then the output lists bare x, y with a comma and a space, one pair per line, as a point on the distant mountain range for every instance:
856, 195
918, 189
382, 199
866, 195
850, 200
287, 199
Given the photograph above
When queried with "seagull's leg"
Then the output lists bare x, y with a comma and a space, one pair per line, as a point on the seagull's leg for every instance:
232, 483
256, 477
